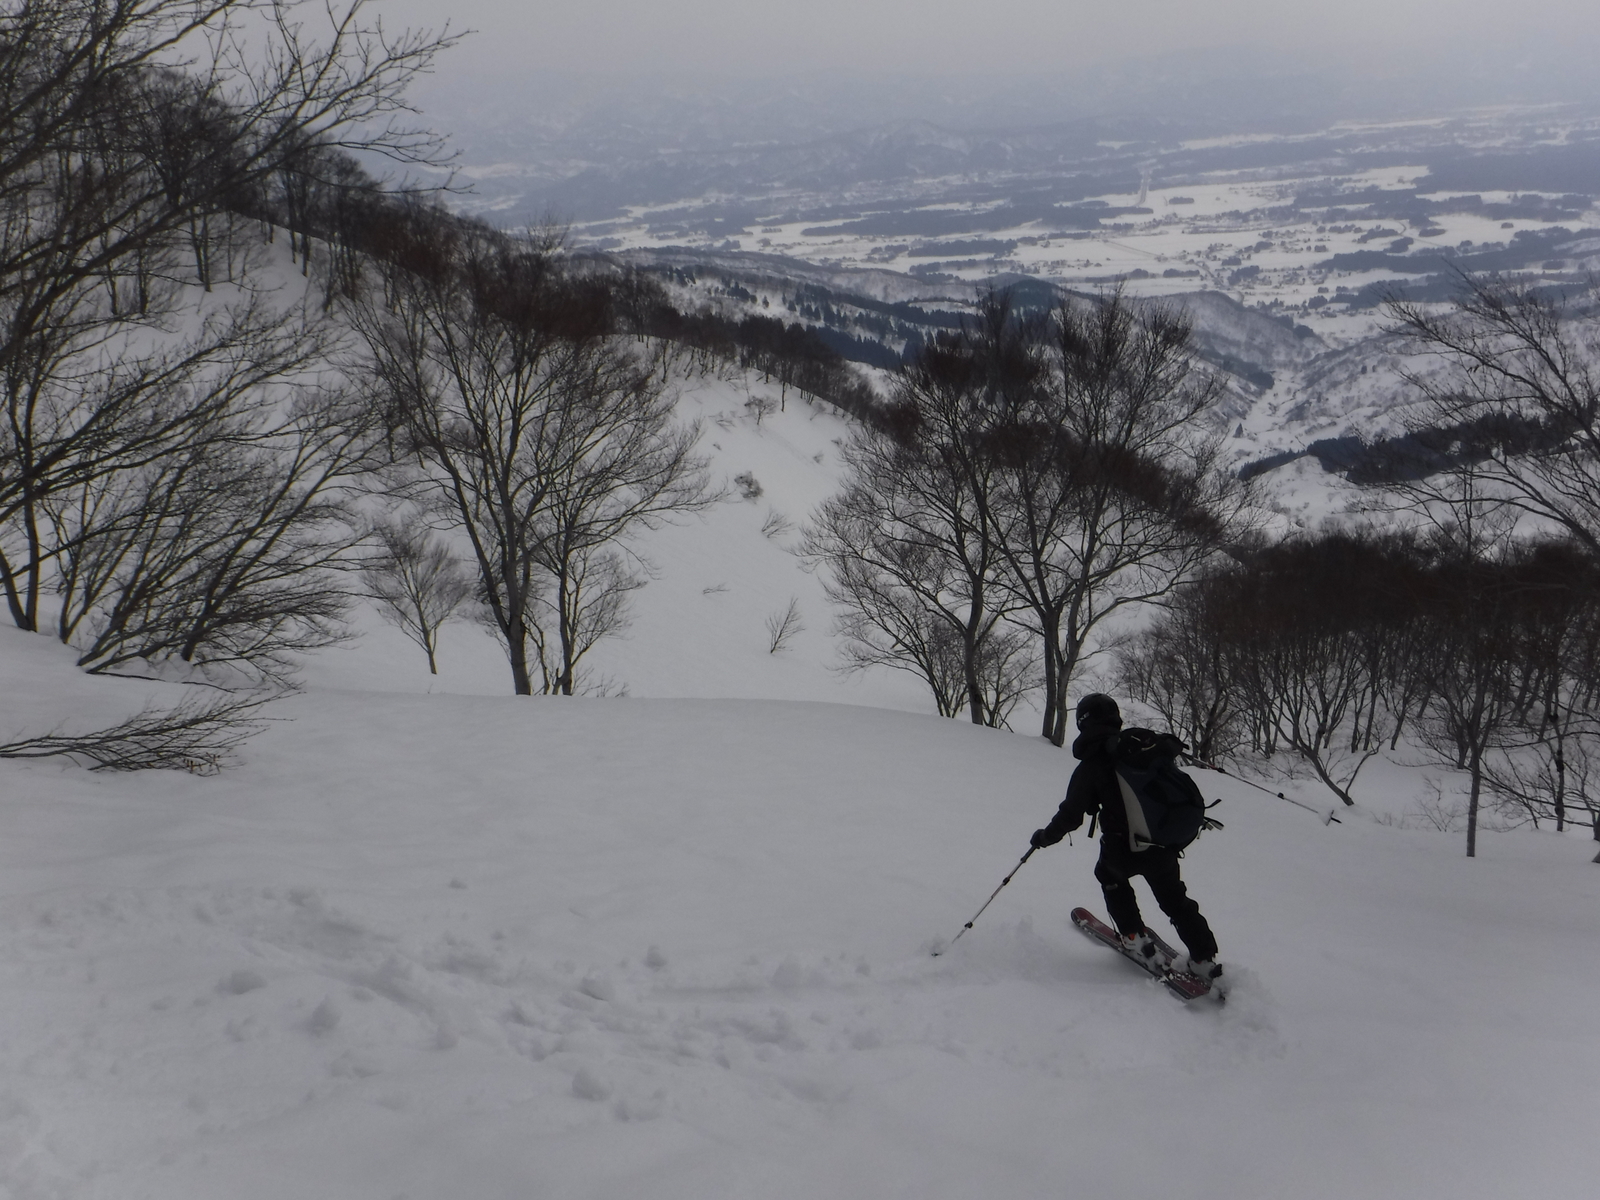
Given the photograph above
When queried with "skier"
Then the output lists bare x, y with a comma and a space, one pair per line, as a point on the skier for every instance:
1093, 789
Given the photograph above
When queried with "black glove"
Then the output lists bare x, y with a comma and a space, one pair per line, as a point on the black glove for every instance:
1042, 838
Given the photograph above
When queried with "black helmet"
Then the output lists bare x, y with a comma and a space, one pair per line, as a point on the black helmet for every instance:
1099, 709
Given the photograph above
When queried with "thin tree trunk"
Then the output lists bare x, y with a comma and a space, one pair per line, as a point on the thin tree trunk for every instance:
30, 517
1561, 773
567, 621
517, 653
1472, 805
969, 665
1052, 687
8, 577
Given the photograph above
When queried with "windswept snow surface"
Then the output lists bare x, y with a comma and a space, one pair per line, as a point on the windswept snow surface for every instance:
472, 947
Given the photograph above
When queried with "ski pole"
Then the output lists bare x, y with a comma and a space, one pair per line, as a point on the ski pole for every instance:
989, 901
1200, 762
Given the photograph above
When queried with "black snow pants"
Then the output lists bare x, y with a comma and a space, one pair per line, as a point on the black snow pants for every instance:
1115, 871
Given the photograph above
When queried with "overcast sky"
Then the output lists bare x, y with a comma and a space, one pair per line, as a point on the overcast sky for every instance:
745, 37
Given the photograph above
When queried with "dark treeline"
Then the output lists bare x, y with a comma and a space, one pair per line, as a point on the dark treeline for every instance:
1329, 647
352, 222
1420, 453
794, 356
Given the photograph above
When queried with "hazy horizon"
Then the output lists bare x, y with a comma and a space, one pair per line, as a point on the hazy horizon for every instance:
723, 43
565, 72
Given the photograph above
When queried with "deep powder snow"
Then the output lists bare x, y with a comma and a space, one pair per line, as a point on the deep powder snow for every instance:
479, 947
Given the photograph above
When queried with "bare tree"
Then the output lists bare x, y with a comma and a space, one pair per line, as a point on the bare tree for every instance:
111, 160
1303, 672
530, 427
180, 131
569, 620
83, 405
774, 525
884, 623
466, 350
77, 79
784, 626
1311, 645
1518, 403
903, 601
1510, 414
227, 553
614, 461
909, 545
417, 584
1473, 661
1543, 765
759, 407
1108, 497
1186, 667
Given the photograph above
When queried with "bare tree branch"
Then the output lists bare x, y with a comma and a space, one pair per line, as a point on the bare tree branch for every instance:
199, 737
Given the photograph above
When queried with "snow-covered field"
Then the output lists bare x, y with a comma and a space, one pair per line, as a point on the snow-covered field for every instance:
474, 946
1237, 232
1189, 228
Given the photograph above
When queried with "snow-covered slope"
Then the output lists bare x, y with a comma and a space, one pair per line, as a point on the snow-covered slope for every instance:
482, 947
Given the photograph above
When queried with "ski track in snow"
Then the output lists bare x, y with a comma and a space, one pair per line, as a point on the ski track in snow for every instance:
285, 1003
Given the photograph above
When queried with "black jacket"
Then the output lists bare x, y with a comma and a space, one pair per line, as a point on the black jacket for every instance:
1092, 789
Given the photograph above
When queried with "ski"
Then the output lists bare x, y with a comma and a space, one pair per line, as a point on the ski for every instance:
1182, 985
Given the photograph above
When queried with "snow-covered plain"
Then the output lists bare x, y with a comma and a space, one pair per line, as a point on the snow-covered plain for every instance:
1177, 238
479, 947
